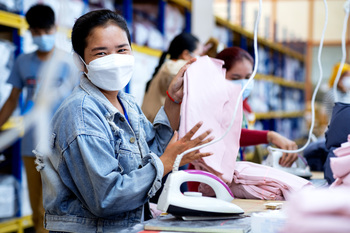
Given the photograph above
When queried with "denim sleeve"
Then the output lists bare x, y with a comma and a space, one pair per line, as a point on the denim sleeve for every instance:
96, 177
163, 132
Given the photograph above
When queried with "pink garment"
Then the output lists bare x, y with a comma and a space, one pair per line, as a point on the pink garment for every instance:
155, 212
256, 181
210, 98
341, 165
318, 211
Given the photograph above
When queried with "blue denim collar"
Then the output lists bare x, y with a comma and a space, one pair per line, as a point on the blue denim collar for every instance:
92, 90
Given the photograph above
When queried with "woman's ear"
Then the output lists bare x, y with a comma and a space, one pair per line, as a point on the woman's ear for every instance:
78, 62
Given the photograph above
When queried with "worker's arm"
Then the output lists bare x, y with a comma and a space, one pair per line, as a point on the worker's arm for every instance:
9, 106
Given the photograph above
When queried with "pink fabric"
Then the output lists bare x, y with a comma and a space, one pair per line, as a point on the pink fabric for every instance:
210, 98
256, 181
155, 212
318, 211
341, 165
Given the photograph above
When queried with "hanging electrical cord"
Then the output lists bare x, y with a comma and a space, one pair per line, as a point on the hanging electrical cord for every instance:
347, 10
179, 157
346, 6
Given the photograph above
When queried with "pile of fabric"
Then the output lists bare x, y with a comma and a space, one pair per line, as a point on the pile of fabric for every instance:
328, 209
318, 211
341, 165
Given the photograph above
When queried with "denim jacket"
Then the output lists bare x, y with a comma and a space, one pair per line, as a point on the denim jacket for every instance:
100, 170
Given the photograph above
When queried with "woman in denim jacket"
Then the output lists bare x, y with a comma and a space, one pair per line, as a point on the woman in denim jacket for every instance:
106, 160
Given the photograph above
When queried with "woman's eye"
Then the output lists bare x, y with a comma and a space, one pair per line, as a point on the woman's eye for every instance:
122, 50
101, 54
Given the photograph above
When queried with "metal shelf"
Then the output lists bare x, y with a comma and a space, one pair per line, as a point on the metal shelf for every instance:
278, 114
16, 224
280, 81
146, 50
237, 29
14, 21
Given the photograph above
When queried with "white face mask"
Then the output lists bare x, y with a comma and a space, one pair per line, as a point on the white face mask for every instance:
112, 72
249, 88
346, 82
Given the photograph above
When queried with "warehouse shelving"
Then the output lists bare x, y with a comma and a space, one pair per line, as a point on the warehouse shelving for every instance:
244, 39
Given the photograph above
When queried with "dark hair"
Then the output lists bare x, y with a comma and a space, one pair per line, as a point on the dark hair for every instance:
181, 42
85, 23
233, 54
40, 16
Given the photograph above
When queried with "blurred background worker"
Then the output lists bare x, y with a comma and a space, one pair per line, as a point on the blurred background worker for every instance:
25, 76
182, 48
239, 67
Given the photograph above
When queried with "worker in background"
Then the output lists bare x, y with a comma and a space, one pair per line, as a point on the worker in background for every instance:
181, 49
239, 67
24, 76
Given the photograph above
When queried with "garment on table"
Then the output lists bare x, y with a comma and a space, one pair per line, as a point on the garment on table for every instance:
210, 98
256, 181
155, 96
24, 75
337, 133
320, 210
101, 170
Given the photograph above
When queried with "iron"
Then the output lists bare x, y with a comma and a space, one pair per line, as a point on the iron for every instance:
173, 201
298, 168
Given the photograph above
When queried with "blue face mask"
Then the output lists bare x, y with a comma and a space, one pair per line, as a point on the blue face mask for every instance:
249, 88
45, 42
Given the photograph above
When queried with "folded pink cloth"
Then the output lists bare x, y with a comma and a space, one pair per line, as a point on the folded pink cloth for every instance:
318, 211
256, 181
341, 165
210, 98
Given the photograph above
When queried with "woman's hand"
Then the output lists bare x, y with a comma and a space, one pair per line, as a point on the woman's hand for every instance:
176, 86
176, 147
283, 143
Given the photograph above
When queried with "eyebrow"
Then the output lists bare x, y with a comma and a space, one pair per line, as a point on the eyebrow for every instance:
104, 48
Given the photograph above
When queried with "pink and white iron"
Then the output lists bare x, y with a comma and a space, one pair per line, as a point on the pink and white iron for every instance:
173, 201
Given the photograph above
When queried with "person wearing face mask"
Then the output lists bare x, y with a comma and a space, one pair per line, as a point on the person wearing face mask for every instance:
181, 49
106, 160
239, 66
24, 76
